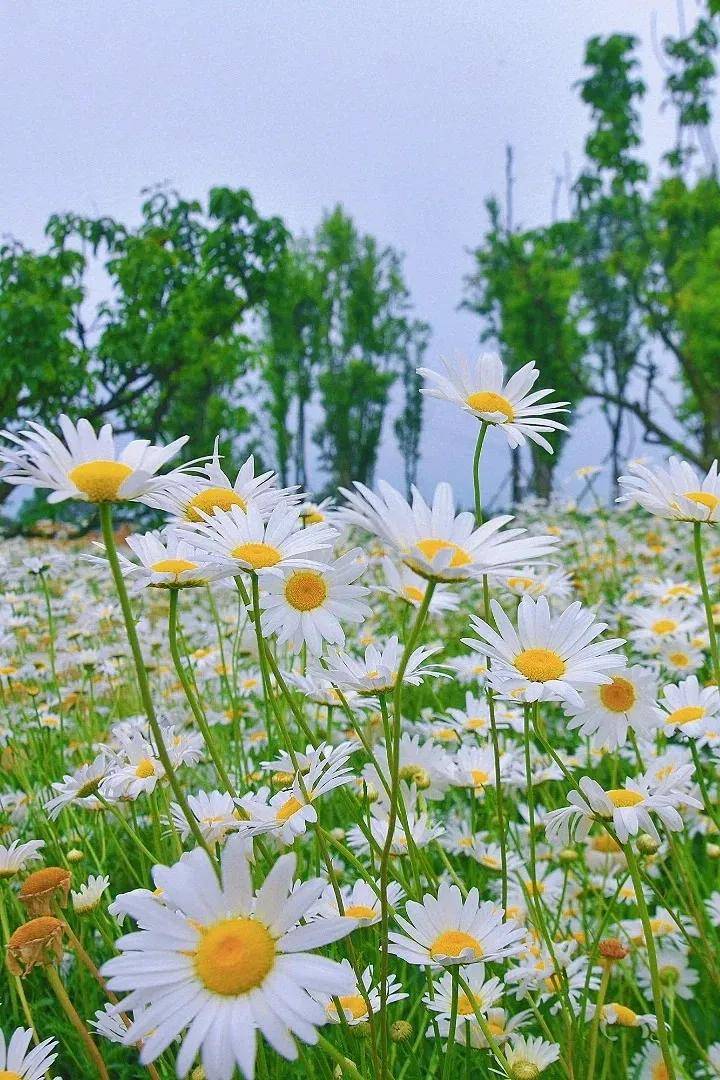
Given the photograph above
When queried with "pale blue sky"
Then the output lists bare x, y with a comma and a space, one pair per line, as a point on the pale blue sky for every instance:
401, 111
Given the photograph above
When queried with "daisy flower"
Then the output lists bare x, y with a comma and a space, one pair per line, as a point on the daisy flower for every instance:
549, 656
423, 764
305, 606
377, 671
655, 627
421, 829
676, 976
609, 710
403, 583
134, 771
437, 543
214, 811
528, 1057
685, 707
681, 657
89, 894
678, 492
360, 902
629, 807
78, 788
480, 388
17, 1060
168, 561
481, 994
365, 1000
621, 1015
88, 466
218, 961
256, 544
16, 856
210, 490
446, 930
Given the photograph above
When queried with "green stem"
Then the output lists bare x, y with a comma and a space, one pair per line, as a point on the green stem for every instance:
141, 673
192, 700
596, 1018
69, 1010
652, 960
476, 472
454, 975
707, 603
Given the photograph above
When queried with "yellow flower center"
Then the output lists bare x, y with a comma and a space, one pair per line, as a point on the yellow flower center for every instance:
605, 844
257, 555
415, 774
680, 659
354, 1004
703, 498
520, 582
659, 1071
618, 696
100, 480
686, 715
411, 592
6, 1075
173, 566
540, 665
624, 1017
466, 1005
359, 911
479, 777
235, 956
430, 548
453, 943
288, 808
486, 401
622, 797
679, 590
144, 768
664, 626
212, 499
306, 590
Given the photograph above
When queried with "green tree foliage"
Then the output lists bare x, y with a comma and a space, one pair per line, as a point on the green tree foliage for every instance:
213, 320
339, 333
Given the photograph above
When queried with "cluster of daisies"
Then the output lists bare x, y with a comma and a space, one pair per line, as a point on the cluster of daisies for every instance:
379, 786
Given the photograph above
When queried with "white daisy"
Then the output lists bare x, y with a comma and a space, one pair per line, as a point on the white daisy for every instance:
306, 606
18, 1061
89, 894
656, 627
360, 902
210, 490
255, 544
629, 807
89, 466
529, 1056
377, 671
482, 993
480, 388
218, 961
16, 856
403, 583
436, 542
168, 561
609, 710
549, 656
78, 788
354, 1006
214, 811
685, 708
446, 930
423, 764
677, 492
623, 1016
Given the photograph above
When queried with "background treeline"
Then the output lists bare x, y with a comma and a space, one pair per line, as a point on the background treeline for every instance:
215, 319
619, 301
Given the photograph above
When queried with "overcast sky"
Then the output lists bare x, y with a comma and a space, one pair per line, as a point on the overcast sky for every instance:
401, 111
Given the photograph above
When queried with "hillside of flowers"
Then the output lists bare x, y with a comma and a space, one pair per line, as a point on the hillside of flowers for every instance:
366, 788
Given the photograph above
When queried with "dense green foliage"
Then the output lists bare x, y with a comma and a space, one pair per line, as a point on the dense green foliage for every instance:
620, 302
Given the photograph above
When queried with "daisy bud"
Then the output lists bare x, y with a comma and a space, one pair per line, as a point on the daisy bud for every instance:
646, 845
401, 1031
567, 855
75, 855
713, 851
361, 1031
35, 943
611, 949
337, 834
39, 890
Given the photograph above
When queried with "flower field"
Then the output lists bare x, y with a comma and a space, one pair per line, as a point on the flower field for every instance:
365, 788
